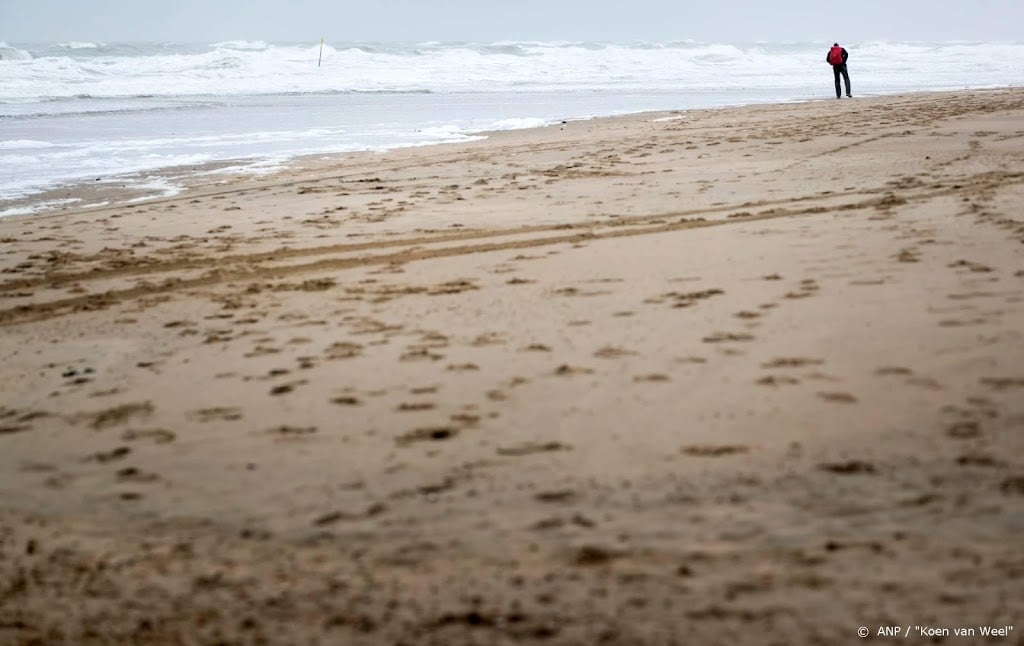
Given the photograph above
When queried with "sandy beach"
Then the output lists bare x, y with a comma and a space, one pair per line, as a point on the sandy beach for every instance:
735, 376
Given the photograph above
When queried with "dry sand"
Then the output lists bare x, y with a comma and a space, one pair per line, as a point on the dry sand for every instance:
736, 376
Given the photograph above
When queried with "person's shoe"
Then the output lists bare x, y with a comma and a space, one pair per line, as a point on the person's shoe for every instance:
849, 96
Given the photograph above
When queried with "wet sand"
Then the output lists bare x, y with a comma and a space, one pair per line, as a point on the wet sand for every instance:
733, 376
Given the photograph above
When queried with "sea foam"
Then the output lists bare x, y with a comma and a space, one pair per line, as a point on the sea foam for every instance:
88, 111
254, 67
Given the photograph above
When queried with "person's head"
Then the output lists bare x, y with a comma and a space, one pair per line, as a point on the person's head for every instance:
835, 44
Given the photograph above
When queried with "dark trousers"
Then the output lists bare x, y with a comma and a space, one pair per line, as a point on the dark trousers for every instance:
841, 69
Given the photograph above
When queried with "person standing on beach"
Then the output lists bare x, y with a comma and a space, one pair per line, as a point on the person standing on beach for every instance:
836, 57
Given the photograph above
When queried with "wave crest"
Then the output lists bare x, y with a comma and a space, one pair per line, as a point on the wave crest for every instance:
258, 68
8, 53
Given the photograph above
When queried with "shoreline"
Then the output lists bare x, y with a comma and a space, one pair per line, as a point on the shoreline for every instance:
132, 189
743, 375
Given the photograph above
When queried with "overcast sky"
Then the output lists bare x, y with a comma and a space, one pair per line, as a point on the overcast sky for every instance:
488, 20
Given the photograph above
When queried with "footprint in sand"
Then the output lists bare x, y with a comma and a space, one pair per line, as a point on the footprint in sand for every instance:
132, 474
216, 415
428, 434
346, 400
452, 287
119, 414
964, 430
337, 516
536, 347
342, 350
293, 431
777, 380
261, 350
17, 421
612, 352
807, 288
893, 370
974, 267
725, 337
157, 436
565, 370
420, 354
466, 419
113, 455
488, 338
792, 362
687, 299
1003, 383
288, 387
595, 555
714, 450
838, 397
558, 496
409, 407
652, 378
975, 459
963, 322
697, 360
924, 382
1013, 485
849, 467
530, 448
908, 255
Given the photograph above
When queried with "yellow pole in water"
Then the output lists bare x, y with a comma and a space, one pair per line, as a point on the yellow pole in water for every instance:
321, 52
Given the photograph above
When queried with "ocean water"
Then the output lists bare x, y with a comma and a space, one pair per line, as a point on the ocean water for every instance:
77, 111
